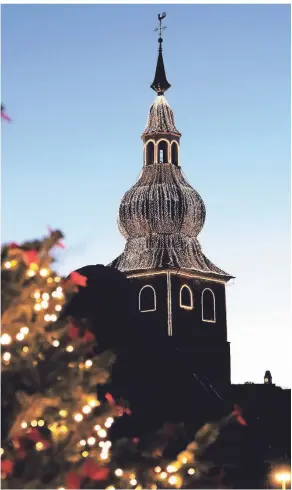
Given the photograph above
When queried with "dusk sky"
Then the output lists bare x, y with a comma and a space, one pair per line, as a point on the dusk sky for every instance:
75, 80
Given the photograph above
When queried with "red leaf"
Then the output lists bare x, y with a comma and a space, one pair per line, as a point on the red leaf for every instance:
7, 466
30, 256
73, 332
78, 279
72, 480
94, 471
109, 398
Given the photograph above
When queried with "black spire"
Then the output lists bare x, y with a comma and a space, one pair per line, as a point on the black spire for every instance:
160, 83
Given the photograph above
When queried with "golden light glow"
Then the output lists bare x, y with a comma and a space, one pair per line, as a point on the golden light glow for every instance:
171, 468
91, 441
97, 427
53, 317
85, 454
82, 442
78, 417
102, 433
86, 409
23, 425
6, 356
69, 348
157, 469
7, 265
133, 481
56, 343
44, 305
37, 295
191, 471
34, 423
24, 330
63, 413
19, 336
30, 273
25, 348
284, 476
33, 266
44, 272
119, 472
88, 363
172, 480
163, 475
39, 446
58, 307
5, 339
37, 307
41, 423
94, 403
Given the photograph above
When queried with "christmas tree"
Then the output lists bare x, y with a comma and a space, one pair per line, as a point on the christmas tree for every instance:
55, 426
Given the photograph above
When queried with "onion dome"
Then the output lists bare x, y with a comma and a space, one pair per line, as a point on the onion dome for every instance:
161, 118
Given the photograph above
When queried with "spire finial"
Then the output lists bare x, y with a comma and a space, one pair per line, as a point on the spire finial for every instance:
160, 83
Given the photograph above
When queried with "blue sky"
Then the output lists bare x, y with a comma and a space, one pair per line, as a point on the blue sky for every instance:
75, 80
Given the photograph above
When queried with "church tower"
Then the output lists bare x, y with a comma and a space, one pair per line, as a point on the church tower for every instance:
178, 293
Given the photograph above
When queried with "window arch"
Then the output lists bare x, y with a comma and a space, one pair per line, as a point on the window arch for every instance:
149, 153
186, 298
163, 151
174, 153
208, 306
147, 299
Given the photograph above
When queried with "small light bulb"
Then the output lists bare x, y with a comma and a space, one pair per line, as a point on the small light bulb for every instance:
78, 417
82, 442
6, 356
163, 475
102, 433
37, 307
157, 469
37, 294
91, 441
44, 305
58, 307
46, 296
88, 363
23, 425
30, 273
5, 339
85, 454
170, 468
191, 471
44, 272
97, 427
69, 348
24, 330
63, 413
56, 343
19, 336
86, 409
172, 480
41, 423
39, 446
119, 472
34, 423
7, 265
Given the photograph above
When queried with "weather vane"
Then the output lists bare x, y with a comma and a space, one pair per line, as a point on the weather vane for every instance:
160, 27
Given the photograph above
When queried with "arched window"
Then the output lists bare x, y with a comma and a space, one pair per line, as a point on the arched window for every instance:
147, 299
208, 306
163, 152
186, 298
174, 153
150, 153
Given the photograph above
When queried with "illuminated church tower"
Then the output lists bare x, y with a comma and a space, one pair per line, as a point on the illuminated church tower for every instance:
178, 293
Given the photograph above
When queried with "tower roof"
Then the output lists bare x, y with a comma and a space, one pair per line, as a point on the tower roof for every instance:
160, 83
160, 118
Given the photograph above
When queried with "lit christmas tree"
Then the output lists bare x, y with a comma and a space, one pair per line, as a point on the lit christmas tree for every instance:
55, 427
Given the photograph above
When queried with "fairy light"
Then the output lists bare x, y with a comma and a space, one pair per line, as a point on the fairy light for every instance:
97, 427
82, 442
23, 425
63, 413
57, 279
2, 451
85, 454
119, 472
24, 330
58, 307
44, 272
69, 348
102, 433
6, 356
163, 475
44, 304
33, 266
157, 469
94, 403
191, 471
25, 349
7, 265
37, 295
78, 417
19, 336
161, 118
172, 480
56, 343
34, 423
46, 296
30, 273
88, 363
91, 441
39, 446
86, 409
41, 423
133, 482
5, 339
171, 468
38, 307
